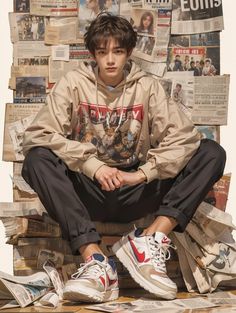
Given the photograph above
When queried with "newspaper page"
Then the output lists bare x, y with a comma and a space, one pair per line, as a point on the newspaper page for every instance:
23, 52
30, 89
157, 69
62, 31
21, 6
192, 17
79, 52
56, 258
143, 305
182, 90
27, 71
50, 268
24, 294
6, 304
218, 195
12, 209
59, 68
26, 27
17, 119
40, 279
199, 53
21, 190
54, 7
50, 300
211, 96
153, 31
88, 11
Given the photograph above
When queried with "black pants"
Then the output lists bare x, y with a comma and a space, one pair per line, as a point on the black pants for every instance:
75, 201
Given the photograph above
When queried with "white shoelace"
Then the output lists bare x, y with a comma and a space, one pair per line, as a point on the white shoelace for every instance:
160, 253
91, 269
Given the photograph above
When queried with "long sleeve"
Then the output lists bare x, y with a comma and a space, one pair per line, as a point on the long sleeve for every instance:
53, 125
174, 139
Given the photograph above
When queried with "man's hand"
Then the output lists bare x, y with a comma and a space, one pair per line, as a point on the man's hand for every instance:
110, 178
133, 178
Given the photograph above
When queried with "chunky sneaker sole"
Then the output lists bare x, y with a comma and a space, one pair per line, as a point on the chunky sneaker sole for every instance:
95, 281
85, 294
122, 252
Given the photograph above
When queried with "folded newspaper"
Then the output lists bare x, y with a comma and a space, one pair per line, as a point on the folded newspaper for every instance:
20, 291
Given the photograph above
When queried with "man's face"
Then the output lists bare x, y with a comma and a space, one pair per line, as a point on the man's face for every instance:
111, 60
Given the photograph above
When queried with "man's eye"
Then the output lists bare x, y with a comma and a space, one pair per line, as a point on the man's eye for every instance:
100, 52
119, 51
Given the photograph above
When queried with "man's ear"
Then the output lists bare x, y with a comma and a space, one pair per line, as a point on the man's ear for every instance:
129, 53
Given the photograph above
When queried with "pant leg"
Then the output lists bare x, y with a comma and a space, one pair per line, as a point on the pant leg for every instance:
55, 186
193, 183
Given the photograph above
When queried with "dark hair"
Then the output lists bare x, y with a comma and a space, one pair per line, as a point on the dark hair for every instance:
107, 25
144, 17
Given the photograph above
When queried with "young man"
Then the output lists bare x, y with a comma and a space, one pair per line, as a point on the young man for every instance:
108, 147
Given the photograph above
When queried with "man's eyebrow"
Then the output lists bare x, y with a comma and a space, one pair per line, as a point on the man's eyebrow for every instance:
104, 48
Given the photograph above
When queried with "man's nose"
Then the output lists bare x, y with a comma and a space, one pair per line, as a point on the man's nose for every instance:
110, 58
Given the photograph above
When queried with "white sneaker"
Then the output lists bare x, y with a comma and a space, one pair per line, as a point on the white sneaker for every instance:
95, 281
144, 257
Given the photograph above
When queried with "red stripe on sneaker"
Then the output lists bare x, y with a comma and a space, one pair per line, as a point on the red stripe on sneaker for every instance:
139, 256
111, 281
102, 280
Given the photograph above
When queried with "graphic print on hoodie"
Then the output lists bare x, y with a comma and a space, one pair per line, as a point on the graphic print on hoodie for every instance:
114, 132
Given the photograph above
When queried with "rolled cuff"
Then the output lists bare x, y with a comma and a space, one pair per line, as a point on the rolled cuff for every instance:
150, 171
91, 166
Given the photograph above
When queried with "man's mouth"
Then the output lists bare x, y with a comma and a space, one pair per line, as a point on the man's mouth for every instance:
111, 68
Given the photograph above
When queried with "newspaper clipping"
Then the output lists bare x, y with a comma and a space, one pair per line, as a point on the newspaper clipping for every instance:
54, 8
17, 118
192, 17
211, 95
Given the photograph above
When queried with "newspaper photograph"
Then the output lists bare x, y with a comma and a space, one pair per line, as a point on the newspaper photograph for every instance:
17, 118
192, 17
88, 11
54, 7
62, 31
27, 71
182, 91
211, 132
21, 6
26, 27
30, 89
59, 68
153, 28
211, 96
202, 61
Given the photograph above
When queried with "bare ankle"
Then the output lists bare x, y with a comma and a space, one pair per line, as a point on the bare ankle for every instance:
89, 249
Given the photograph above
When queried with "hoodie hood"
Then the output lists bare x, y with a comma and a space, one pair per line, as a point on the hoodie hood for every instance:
132, 72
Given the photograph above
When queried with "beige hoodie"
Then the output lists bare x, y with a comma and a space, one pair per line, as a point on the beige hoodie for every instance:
88, 124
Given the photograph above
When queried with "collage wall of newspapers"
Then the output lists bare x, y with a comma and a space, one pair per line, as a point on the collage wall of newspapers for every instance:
180, 47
